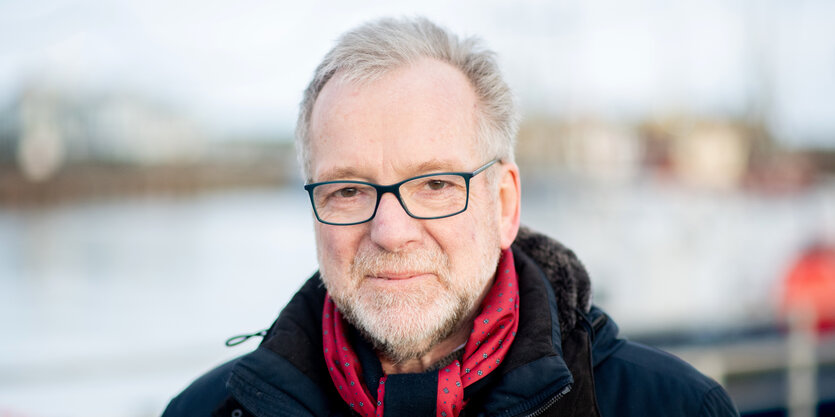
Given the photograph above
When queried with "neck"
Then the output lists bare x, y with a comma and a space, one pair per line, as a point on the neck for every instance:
431, 359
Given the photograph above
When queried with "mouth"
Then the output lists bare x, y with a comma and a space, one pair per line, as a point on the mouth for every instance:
398, 276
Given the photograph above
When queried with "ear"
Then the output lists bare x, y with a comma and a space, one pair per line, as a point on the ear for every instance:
509, 203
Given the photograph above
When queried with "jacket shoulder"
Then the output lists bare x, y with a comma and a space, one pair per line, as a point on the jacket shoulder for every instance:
204, 395
638, 380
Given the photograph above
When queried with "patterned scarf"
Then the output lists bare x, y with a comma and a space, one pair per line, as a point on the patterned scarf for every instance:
493, 331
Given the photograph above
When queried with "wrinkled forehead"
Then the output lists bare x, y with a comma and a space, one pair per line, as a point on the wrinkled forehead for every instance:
420, 116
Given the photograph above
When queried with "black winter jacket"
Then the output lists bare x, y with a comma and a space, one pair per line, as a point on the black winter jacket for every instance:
566, 360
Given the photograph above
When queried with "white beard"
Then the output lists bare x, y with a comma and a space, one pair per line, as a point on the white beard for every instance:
407, 323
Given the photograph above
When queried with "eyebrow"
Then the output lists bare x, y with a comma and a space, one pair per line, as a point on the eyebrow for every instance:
339, 173
428, 167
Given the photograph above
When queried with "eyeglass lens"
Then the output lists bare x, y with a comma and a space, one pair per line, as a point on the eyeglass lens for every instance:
426, 197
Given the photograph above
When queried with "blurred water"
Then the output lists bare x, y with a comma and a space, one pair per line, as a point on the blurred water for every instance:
109, 308
125, 302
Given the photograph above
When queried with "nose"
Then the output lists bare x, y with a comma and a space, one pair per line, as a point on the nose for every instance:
392, 228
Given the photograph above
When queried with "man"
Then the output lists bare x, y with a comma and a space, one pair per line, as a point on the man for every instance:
434, 301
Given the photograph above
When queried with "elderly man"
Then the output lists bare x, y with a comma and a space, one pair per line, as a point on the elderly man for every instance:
430, 299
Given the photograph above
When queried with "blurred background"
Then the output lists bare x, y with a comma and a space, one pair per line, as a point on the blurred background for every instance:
151, 207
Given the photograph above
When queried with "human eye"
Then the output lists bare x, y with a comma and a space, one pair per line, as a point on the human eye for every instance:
349, 193
346, 192
341, 193
436, 184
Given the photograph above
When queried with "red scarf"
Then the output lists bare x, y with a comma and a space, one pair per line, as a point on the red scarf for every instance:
493, 331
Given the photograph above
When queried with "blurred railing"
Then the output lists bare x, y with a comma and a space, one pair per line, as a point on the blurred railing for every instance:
792, 372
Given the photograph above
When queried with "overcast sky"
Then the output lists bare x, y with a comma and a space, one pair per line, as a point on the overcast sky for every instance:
241, 66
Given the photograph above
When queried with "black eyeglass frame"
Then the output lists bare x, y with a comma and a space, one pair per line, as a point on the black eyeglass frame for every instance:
395, 189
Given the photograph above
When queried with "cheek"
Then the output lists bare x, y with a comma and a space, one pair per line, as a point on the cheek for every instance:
336, 247
485, 237
459, 238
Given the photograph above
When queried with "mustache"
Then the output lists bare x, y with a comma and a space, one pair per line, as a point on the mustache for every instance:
374, 261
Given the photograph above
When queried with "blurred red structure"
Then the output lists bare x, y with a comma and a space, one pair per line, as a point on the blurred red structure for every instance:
809, 287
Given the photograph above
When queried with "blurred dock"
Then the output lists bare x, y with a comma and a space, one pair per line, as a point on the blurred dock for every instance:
62, 144
274, 168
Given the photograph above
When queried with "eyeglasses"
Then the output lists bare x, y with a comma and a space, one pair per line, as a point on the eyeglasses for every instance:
430, 196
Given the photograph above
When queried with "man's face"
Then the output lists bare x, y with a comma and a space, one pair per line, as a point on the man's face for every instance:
405, 283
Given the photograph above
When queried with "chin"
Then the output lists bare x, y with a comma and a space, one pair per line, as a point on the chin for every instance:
405, 321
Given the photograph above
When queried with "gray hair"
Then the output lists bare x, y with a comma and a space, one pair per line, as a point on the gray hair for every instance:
375, 48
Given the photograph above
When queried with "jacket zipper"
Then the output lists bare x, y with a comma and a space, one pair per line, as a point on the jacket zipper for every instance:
549, 403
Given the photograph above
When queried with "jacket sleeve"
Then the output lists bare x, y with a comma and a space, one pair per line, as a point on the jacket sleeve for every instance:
717, 403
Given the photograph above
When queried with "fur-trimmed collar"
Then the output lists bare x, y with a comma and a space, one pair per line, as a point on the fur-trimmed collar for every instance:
565, 272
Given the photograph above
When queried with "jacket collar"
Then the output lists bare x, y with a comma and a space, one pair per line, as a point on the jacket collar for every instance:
565, 272
572, 289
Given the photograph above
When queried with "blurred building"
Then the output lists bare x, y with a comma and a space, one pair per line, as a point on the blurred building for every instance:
46, 128
702, 153
590, 148
58, 143
696, 152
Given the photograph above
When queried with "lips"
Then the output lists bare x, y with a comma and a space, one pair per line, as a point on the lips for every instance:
398, 276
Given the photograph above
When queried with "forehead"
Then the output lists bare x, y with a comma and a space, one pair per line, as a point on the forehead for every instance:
412, 118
